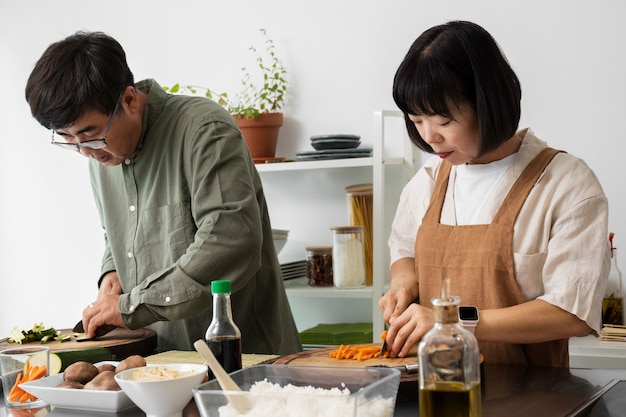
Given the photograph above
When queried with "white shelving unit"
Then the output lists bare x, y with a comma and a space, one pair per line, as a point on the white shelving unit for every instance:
388, 174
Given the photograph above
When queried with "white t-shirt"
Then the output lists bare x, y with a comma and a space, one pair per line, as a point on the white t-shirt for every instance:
474, 185
560, 241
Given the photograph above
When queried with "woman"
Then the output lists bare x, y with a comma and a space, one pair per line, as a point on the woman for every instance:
520, 229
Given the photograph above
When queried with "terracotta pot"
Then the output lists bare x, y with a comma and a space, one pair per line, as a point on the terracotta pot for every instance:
261, 134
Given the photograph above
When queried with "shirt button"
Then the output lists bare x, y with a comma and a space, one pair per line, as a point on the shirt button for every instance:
131, 309
129, 254
133, 208
167, 299
128, 161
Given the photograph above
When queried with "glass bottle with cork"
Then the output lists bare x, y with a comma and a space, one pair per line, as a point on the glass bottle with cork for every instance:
612, 304
449, 365
223, 336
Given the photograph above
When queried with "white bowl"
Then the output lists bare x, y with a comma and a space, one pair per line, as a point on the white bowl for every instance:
280, 239
162, 397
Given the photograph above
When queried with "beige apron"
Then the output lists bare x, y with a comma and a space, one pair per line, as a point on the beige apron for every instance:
478, 260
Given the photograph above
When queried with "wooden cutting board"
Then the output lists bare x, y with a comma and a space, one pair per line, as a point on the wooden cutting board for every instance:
120, 342
319, 357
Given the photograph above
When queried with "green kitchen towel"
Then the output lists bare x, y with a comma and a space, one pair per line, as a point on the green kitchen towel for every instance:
337, 334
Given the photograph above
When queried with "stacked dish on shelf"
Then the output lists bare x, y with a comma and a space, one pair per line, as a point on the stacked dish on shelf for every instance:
335, 146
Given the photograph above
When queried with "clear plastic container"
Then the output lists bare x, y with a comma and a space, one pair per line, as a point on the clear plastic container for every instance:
348, 257
319, 266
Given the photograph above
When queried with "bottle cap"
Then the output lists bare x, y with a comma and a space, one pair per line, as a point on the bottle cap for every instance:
221, 286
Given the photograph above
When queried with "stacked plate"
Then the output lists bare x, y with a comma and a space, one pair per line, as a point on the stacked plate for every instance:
291, 270
325, 142
335, 146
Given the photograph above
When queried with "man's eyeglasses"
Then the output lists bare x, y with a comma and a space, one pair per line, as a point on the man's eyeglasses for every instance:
92, 143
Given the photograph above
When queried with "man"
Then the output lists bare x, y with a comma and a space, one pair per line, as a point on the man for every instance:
178, 195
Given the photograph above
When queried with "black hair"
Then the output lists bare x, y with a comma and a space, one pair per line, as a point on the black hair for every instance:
85, 71
454, 64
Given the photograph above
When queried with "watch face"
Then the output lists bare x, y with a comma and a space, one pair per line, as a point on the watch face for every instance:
468, 313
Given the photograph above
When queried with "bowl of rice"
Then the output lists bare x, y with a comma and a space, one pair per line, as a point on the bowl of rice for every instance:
304, 391
162, 390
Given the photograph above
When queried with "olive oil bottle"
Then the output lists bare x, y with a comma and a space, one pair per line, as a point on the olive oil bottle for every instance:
449, 365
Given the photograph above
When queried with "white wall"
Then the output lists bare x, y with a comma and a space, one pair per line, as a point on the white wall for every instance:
341, 57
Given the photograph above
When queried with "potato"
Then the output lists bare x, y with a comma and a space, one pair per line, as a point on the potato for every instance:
80, 371
104, 381
106, 367
70, 383
134, 361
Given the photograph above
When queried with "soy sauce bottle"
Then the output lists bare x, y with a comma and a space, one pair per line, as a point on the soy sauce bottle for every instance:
449, 366
223, 336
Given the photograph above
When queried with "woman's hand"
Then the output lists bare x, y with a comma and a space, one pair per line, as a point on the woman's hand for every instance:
407, 322
408, 328
403, 289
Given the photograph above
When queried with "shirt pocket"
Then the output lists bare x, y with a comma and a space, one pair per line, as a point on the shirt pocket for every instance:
529, 273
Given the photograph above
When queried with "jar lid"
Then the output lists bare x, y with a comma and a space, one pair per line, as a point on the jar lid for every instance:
319, 249
347, 229
360, 189
220, 286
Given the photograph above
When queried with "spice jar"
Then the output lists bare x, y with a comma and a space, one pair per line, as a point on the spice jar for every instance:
348, 257
319, 266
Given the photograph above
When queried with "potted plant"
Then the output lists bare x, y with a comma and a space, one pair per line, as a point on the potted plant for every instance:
256, 108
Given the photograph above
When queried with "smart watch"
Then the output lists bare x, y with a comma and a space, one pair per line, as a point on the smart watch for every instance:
468, 316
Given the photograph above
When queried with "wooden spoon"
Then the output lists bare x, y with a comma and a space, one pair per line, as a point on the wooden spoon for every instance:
239, 402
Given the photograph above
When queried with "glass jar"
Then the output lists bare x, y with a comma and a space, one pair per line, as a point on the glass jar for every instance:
348, 256
360, 212
319, 266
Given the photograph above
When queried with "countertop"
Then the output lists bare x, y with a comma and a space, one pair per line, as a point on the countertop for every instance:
507, 391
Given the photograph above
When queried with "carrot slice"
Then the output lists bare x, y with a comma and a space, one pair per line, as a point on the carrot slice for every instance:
359, 352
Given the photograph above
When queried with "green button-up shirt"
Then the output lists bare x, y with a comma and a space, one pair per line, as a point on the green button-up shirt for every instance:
186, 209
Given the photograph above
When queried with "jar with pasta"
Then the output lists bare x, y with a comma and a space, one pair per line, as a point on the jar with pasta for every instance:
348, 257
360, 212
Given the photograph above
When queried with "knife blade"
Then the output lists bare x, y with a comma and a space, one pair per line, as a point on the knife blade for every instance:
383, 348
100, 331
408, 368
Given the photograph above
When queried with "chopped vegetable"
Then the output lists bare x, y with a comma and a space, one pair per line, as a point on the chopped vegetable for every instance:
30, 373
359, 352
37, 333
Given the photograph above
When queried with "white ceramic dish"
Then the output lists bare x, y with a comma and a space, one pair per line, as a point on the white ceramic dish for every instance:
77, 399
162, 397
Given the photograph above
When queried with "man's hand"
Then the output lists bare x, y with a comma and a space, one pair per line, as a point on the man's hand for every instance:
110, 285
100, 312
105, 309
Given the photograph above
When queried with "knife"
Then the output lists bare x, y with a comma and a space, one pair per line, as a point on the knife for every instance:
100, 331
408, 368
